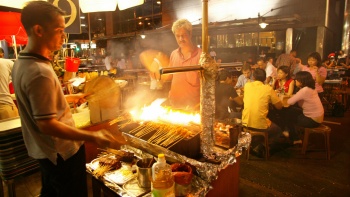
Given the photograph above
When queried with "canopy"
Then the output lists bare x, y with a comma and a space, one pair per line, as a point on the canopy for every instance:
11, 26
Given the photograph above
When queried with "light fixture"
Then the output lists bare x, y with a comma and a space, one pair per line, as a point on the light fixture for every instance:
143, 36
261, 21
14, 4
88, 6
159, 2
263, 25
123, 4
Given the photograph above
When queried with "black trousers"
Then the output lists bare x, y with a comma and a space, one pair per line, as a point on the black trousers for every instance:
67, 178
295, 117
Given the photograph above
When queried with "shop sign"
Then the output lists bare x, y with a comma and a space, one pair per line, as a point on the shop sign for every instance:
71, 7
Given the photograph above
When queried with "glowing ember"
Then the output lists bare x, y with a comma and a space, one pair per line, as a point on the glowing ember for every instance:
155, 112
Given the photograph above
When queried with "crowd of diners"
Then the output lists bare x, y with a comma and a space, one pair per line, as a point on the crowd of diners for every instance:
274, 99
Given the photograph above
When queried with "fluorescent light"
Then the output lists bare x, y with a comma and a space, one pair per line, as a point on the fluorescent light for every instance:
19, 4
107, 5
97, 5
125, 4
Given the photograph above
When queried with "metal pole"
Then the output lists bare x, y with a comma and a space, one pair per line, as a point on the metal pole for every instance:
89, 34
205, 36
258, 47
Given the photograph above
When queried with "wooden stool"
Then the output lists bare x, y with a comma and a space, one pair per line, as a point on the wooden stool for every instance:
263, 133
323, 129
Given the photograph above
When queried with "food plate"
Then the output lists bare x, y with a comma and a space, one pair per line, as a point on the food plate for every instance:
120, 176
132, 187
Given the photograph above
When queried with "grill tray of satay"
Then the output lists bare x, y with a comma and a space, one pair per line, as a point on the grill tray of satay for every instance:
180, 139
184, 140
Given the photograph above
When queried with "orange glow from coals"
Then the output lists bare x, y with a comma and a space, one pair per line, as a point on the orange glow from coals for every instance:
156, 113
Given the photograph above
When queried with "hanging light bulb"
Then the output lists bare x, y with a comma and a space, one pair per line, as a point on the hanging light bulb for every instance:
263, 24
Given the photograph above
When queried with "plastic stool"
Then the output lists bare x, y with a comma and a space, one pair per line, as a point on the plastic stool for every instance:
263, 133
322, 129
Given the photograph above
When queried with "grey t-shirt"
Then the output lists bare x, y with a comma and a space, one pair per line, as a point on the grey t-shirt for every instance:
5, 72
39, 96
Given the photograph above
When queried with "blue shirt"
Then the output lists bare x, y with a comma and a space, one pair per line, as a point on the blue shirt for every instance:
242, 80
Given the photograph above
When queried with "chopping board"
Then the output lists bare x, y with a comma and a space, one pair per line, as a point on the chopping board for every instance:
104, 91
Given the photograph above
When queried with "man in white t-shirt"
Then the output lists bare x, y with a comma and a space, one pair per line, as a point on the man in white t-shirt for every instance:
8, 108
269, 69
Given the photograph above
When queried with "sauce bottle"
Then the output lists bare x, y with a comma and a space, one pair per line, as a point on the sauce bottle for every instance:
162, 179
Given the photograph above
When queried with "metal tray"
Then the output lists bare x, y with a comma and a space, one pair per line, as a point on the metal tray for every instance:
133, 189
120, 176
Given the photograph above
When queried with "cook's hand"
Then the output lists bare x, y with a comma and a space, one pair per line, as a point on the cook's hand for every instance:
76, 98
105, 138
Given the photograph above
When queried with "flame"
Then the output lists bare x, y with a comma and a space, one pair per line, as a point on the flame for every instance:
155, 112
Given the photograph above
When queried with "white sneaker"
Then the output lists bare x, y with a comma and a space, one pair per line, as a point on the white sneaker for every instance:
298, 142
285, 134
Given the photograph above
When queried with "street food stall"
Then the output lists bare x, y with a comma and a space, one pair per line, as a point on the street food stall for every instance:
210, 148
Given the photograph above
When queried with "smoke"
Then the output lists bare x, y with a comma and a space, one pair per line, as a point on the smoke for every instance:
142, 97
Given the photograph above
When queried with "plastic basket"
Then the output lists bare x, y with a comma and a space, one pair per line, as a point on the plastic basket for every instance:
72, 64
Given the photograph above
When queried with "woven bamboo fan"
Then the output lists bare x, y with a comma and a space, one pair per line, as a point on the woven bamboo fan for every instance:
104, 91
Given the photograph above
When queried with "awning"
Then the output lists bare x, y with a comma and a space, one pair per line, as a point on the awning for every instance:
11, 26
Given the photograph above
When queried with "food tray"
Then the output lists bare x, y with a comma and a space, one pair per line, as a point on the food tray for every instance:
133, 189
120, 176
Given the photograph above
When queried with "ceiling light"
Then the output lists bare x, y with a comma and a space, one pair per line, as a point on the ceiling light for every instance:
159, 2
143, 36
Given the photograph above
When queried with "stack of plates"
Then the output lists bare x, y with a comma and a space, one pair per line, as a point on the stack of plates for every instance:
14, 159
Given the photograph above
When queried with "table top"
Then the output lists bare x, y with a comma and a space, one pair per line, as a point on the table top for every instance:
135, 70
81, 120
333, 81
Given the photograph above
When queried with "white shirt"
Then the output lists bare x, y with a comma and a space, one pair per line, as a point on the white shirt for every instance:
270, 71
121, 64
108, 62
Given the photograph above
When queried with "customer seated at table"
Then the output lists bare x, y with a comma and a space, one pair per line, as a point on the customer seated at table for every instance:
310, 112
245, 77
226, 97
269, 69
284, 83
318, 72
257, 98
